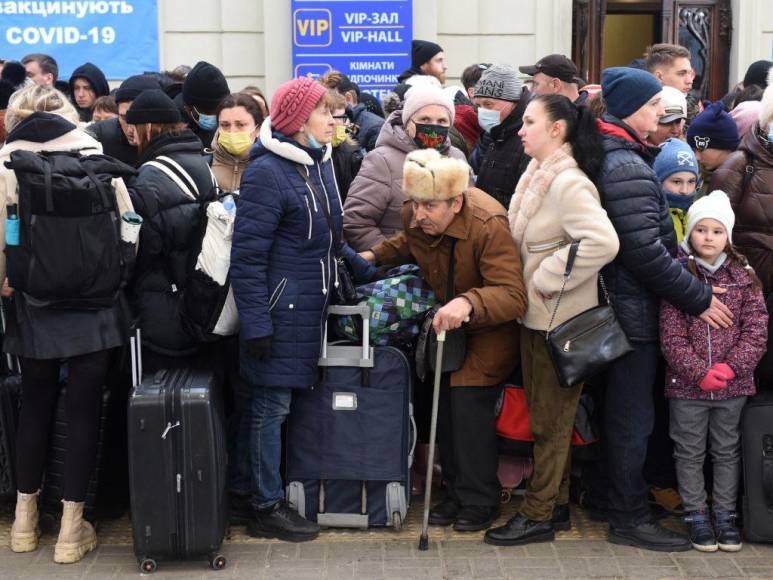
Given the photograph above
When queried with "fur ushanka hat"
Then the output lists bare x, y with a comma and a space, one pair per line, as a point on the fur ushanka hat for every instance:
428, 176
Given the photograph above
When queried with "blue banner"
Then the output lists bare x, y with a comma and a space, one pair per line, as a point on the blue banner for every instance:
119, 36
369, 41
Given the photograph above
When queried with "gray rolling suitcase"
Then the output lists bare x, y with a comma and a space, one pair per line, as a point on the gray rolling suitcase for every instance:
350, 439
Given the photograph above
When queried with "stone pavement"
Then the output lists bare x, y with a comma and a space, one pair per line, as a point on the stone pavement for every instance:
399, 559
389, 555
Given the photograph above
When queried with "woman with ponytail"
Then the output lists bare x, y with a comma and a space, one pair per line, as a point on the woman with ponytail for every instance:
554, 204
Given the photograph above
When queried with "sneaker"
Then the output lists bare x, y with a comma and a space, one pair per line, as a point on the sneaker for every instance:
282, 522
561, 519
668, 499
474, 518
649, 536
728, 536
701, 532
520, 530
444, 513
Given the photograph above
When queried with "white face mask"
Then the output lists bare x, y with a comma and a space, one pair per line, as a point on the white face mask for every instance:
770, 133
488, 119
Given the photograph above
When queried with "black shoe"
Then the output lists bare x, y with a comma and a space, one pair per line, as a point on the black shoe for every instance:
520, 530
701, 533
240, 510
444, 513
474, 518
728, 536
283, 522
561, 519
649, 536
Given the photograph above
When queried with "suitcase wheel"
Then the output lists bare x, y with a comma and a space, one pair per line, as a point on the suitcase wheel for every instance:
397, 521
218, 562
148, 566
506, 495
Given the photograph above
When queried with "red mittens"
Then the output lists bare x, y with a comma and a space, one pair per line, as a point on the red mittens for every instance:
713, 380
725, 370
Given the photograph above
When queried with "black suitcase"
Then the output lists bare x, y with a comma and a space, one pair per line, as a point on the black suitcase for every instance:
757, 443
52, 489
351, 438
177, 466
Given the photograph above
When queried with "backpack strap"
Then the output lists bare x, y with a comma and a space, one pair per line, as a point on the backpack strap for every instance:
748, 172
176, 173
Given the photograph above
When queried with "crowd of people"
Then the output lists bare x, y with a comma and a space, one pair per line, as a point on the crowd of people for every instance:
488, 187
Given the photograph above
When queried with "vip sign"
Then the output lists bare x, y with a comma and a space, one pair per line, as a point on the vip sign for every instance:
313, 27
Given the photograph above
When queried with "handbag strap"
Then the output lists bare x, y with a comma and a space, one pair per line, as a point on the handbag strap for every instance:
574, 246
322, 203
451, 272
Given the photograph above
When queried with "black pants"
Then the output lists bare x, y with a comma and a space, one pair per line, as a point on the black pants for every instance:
40, 390
660, 469
468, 443
629, 416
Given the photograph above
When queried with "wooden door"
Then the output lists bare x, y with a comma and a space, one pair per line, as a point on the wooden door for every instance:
703, 27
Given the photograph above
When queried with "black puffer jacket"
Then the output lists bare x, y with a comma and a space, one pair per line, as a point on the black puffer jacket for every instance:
170, 241
113, 139
644, 271
499, 159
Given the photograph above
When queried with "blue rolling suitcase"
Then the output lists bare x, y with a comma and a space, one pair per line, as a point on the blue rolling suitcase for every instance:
350, 439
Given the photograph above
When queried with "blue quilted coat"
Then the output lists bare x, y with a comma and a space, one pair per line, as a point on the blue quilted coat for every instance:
282, 258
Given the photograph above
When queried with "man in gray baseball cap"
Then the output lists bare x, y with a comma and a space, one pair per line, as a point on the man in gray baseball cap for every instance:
498, 159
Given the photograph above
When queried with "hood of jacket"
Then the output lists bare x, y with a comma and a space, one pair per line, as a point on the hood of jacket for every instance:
621, 136
40, 127
186, 141
757, 145
274, 142
94, 75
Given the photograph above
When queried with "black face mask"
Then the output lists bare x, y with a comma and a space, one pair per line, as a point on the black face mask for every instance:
430, 136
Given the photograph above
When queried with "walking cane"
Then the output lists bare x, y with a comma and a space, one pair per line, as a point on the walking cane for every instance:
423, 539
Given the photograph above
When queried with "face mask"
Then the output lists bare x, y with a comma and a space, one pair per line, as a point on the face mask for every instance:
206, 122
770, 133
430, 136
340, 135
488, 119
680, 201
237, 144
313, 143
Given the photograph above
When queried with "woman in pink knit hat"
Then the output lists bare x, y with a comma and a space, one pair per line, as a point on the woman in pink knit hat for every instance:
283, 274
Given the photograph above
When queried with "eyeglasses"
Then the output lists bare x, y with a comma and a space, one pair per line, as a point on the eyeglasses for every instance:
343, 118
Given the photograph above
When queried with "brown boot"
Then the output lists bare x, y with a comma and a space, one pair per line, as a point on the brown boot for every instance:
25, 532
76, 536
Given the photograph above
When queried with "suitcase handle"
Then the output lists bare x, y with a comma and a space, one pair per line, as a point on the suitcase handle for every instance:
336, 355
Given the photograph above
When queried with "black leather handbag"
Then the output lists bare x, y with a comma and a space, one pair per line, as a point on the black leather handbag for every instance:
343, 289
455, 348
585, 344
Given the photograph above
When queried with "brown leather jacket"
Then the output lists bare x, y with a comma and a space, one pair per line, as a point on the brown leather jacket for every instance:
487, 273
753, 204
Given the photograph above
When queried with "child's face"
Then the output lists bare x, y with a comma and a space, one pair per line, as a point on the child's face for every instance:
708, 239
681, 183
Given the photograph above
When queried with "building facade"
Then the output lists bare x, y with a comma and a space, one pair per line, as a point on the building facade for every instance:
252, 39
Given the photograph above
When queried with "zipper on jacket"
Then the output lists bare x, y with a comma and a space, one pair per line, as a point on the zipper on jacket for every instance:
277, 294
311, 193
324, 283
308, 208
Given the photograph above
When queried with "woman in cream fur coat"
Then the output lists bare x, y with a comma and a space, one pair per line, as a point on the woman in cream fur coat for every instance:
554, 203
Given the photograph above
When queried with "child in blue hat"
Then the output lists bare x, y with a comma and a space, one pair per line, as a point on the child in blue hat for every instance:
677, 170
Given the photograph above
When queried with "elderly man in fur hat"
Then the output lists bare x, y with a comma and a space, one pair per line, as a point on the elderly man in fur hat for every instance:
444, 220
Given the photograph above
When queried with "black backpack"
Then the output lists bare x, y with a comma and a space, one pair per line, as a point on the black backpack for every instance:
70, 253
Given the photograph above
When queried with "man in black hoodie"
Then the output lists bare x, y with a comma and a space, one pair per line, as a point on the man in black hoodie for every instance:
203, 89
118, 138
87, 84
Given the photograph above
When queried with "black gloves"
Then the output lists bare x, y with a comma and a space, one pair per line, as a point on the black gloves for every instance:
260, 348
